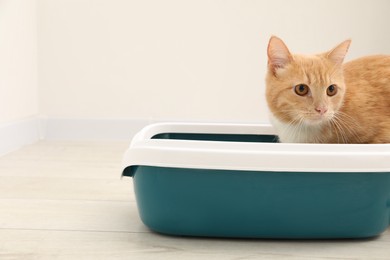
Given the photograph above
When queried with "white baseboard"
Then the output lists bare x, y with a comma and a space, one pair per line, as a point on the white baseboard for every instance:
16, 134
91, 129
95, 129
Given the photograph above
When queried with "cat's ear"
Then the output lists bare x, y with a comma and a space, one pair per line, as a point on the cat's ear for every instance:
278, 54
337, 54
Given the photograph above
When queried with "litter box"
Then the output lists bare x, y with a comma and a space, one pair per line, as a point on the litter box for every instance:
237, 181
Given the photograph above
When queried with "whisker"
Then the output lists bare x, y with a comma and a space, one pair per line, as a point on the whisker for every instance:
348, 126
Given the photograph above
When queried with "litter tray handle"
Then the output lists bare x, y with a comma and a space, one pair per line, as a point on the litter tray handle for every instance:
129, 171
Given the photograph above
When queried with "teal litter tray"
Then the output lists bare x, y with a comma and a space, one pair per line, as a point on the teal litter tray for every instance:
236, 181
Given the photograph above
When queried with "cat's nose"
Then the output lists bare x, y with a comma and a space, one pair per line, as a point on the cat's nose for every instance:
321, 110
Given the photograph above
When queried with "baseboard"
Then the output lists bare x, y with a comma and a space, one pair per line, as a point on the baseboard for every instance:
85, 129
91, 129
17, 134
14, 135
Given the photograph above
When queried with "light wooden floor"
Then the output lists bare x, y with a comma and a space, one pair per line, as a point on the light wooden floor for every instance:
65, 200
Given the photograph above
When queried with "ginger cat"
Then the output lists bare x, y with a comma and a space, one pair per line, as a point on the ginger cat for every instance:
318, 99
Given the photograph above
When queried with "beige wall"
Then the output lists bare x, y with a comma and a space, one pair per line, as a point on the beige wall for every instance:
171, 59
18, 60
186, 60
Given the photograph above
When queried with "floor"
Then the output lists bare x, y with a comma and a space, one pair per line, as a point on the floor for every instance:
66, 200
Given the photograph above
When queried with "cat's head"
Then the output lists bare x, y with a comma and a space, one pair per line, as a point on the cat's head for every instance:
304, 89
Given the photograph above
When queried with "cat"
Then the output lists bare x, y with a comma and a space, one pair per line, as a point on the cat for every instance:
321, 99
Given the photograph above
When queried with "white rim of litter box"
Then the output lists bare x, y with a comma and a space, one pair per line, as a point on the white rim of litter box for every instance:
286, 157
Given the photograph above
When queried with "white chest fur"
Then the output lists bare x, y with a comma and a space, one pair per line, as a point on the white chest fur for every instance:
299, 133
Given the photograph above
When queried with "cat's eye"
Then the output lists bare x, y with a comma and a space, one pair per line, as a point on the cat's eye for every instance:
301, 89
331, 90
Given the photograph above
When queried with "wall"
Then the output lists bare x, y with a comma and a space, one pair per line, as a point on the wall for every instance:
18, 60
184, 60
